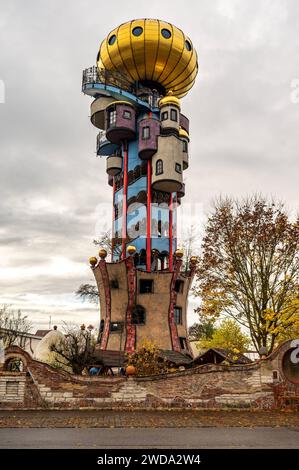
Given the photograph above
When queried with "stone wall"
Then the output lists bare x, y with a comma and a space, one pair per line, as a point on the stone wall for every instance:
12, 387
260, 385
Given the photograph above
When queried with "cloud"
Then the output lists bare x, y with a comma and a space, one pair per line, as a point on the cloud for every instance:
53, 191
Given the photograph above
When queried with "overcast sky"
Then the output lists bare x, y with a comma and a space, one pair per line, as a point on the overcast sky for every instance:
53, 193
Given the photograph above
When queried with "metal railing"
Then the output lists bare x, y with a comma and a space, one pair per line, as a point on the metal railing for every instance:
93, 75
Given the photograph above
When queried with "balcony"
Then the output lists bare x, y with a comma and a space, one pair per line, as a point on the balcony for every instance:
104, 146
99, 82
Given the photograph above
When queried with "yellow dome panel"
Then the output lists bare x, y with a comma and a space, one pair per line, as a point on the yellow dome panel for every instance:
151, 50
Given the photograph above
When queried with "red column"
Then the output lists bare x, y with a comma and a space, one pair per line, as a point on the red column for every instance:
113, 219
170, 234
148, 217
125, 191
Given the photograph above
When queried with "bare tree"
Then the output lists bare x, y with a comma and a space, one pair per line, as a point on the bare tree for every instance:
106, 241
12, 325
77, 349
249, 267
88, 292
190, 245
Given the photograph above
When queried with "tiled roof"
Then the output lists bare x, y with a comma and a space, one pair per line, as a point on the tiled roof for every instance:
176, 357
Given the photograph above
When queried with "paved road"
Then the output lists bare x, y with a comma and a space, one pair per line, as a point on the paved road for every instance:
101, 438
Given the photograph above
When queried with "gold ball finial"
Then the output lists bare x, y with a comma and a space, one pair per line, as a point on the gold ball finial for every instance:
179, 253
193, 260
93, 261
131, 250
102, 253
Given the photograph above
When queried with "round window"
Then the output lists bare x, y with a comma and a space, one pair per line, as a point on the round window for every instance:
137, 31
112, 40
166, 33
290, 366
188, 45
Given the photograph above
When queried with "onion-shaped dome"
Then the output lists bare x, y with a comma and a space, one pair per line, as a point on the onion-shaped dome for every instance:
169, 99
44, 351
183, 134
153, 52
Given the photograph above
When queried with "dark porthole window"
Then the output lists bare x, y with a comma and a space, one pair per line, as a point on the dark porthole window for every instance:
188, 45
137, 31
178, 168
174, 115
112, 40
159, 167
166, 33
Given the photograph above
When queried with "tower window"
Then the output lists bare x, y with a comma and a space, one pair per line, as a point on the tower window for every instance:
112, 117
183, 343
138, 315
146, 286
112, 39
114, 284
177, 315
178, 168
137, 31
164, 116
116, 326
145, 133
166, 33
159, 167
102, 326
185, 146
179, 286
174, 115
127, 114
188, 45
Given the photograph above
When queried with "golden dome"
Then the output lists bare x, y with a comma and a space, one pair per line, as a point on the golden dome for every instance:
152, 51
183, 133
169, 99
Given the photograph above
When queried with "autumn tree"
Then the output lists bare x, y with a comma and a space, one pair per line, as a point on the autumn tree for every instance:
249, 268
228, 336
202, 331
12, 324
147, 359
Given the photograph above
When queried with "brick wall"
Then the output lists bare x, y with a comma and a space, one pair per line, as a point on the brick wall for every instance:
12, 387
209, 386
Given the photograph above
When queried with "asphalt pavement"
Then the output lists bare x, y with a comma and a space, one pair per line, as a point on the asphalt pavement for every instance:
150, 438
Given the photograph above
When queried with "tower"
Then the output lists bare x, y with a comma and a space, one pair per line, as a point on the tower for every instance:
142, 70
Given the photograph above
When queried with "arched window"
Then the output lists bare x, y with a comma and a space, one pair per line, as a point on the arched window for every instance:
138, 315
159, 167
